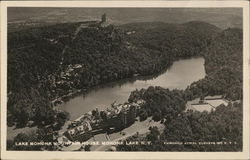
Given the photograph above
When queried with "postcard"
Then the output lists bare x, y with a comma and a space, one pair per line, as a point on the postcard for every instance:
125, 80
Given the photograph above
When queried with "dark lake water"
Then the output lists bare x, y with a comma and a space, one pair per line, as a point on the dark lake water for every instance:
181, 74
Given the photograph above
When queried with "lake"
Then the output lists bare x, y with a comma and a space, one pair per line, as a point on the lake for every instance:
181, 74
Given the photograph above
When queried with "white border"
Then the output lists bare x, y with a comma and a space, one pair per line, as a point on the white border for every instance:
126, 155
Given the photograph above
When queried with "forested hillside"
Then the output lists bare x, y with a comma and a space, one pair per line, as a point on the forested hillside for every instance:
223, 64
47, 63
33, 55
172, 40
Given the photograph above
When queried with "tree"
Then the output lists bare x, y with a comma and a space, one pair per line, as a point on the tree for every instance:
23, 118
154, 134
143, 116
87, 147
61, 118
157, 116
103, 115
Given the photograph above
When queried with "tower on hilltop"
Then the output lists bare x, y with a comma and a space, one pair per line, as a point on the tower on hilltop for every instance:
104, 18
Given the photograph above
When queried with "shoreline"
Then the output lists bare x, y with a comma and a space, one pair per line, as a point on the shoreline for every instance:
70, 96
85, 91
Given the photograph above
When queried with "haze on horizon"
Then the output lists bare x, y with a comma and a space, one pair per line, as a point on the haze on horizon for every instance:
221, 17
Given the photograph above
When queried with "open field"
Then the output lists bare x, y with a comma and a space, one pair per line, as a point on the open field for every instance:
13, 132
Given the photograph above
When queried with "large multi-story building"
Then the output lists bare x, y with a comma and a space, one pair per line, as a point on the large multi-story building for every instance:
80, 133
119, 116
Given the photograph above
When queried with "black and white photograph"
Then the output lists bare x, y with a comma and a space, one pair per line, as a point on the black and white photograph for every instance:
124, 79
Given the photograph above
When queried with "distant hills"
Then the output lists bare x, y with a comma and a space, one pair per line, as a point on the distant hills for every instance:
222, 18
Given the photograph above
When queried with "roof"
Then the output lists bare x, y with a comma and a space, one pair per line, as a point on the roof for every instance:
82, 127
213, 97
210, 102
202, 107
216, 102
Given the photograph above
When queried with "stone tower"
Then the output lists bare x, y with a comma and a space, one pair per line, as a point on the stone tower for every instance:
104, 18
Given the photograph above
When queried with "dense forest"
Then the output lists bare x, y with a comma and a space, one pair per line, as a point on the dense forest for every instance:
160, 103
194, 131
50, 62
223, 64
33, 55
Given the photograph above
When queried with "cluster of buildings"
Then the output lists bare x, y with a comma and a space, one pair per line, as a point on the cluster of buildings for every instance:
70, 71
66, 81
114, 118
